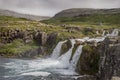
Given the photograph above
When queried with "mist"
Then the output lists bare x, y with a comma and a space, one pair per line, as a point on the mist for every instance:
51, 7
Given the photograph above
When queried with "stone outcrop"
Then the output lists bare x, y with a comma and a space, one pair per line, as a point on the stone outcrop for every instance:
110, 60
46, 42
88, 62
65, 47
52, 39
41, 37
102, 60
40, 52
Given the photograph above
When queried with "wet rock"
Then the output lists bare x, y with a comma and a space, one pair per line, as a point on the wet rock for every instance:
109, 60
87, 77
65, 47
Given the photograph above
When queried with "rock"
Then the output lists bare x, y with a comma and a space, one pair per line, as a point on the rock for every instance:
115, 78
109, 61
41, 51
65, 47
88, 62
102, 60
41, 38
87, 77
52, 39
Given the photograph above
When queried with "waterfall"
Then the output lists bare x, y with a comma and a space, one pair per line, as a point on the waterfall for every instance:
114, 33
56, 51
103, 34
66, 57
97, 33
76, 57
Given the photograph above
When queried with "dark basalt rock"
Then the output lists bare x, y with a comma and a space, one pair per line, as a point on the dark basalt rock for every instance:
52, 39
110, 61
101, 61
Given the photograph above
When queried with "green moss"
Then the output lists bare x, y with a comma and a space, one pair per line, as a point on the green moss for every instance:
16, 47
89, 60
65, 47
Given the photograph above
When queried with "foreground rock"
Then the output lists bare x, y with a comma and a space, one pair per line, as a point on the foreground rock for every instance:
101, 60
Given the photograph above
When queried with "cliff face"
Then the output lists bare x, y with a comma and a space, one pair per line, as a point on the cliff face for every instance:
102, 60
84, 12
34, 42
110, 60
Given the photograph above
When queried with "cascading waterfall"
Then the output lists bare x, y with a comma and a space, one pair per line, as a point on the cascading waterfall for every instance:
76, 57
103, 34
56, 51
66, 57
114, 33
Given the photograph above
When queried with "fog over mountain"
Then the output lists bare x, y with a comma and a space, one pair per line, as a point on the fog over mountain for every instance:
51, 7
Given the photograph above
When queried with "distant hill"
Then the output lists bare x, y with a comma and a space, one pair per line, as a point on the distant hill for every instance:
86, 16
20, 15
85, 11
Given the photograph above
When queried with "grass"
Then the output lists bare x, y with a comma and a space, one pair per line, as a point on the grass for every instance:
16, 47
104, 21
95, 22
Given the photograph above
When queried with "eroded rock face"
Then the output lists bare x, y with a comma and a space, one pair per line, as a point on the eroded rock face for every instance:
88, 62
102, 61
110, 60
52, 39
43, 40
65, 47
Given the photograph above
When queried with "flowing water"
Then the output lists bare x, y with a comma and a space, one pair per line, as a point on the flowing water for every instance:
55, 67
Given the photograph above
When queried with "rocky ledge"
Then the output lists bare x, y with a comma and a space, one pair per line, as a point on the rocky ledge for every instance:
101, 61
43, 42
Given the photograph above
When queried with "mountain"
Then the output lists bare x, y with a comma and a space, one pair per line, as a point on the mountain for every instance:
20, 15
85, 11
86, 16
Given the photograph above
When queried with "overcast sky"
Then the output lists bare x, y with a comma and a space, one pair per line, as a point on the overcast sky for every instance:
50, 7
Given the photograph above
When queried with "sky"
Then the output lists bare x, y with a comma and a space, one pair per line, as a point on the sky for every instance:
51, 7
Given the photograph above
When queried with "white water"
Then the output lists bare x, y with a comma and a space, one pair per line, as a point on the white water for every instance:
66, 57
103, 34
56, 51
76, 57
114, 33
37, 74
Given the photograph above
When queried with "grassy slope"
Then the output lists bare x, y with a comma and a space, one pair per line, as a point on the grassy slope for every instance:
94, 21
7, 23
18, 46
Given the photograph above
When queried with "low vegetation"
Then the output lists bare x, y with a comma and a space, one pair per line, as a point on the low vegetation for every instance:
89, 60
16, 47
72, 27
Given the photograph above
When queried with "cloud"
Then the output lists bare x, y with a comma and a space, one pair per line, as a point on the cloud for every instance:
50, 7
